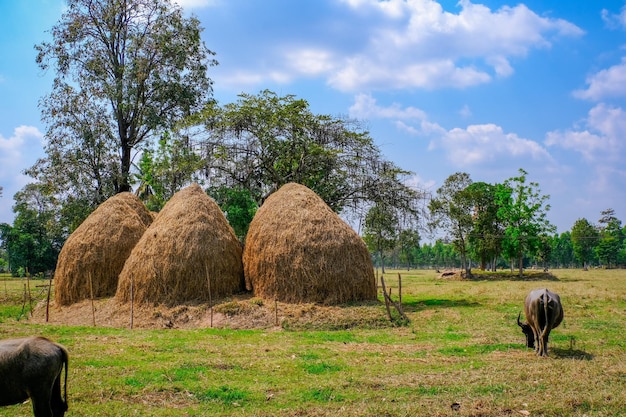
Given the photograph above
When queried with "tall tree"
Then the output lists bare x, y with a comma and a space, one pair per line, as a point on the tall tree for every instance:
452, 211
563, 250
408, 242
33, 242
139, 64
584, 241
611, 238
485, 237
381, 230
523, 211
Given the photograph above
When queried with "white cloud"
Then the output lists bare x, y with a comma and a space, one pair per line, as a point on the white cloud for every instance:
418, 44
615, 21
465, 112
604, 84
17, 153
194, 3
12, 149
365, 107
474, 145
311, 61
410, 44
487, 143
600, 139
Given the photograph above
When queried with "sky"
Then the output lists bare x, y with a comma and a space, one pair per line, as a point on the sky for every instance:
483, 87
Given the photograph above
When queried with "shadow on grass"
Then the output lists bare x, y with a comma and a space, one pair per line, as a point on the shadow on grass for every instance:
508, 276
570, 354
418, 305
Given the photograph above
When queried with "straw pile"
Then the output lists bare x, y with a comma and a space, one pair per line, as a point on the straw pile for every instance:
93, 256
299, 251
189, 250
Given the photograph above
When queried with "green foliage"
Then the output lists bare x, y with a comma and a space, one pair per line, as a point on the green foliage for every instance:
33, 242
380, 233
584, 240
264, 141
452, 210
523, 212
238, 206
408, 243
166, 170
611, 238
485, 238
140, 65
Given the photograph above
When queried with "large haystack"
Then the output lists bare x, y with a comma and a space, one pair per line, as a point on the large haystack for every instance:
189, 247
94, 254
298, 250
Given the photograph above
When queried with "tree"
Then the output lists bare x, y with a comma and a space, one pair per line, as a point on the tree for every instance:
380, 234
139, 64
30, 243
563, 250
544, 251
584, 241
165, 170
238, 206
264, 141
522, 210
408, 242
611, 238
452, 211
485, 237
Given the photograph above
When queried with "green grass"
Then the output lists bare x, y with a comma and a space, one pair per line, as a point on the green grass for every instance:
462, 346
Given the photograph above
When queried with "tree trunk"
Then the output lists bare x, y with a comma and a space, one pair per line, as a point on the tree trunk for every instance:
124, 184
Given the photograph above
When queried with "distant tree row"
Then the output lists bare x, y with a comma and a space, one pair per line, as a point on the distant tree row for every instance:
602, 244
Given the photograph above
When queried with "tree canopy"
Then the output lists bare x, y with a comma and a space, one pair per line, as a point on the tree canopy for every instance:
452, 209
124, 71
523, 211
584, 240
261, 142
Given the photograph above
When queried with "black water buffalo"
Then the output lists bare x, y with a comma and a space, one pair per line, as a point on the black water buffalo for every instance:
544, 312
31, 367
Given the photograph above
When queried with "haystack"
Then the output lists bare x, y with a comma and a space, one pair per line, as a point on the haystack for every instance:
298, 250
189, 250
93, 256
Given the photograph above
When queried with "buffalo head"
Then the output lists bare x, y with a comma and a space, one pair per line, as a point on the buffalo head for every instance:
528, 331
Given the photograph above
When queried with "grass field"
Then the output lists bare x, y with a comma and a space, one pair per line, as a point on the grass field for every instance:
462, 354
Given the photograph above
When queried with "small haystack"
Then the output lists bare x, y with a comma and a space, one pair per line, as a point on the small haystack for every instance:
93, 256
189, 248
298, 250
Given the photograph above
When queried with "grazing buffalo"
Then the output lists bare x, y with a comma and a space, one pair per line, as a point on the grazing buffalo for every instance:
544, 312
31, 367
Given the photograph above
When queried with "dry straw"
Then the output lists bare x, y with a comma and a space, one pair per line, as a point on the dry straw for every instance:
299, 251
98, 249
189, 242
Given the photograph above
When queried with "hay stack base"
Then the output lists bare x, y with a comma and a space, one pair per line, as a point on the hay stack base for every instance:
299, 251
189, 253
93, 256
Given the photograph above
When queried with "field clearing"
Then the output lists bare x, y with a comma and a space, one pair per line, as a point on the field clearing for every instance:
462, 354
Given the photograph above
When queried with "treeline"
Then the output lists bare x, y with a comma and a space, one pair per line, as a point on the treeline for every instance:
601, 244
441, 255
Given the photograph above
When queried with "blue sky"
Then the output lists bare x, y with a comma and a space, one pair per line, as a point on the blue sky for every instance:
483, 87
